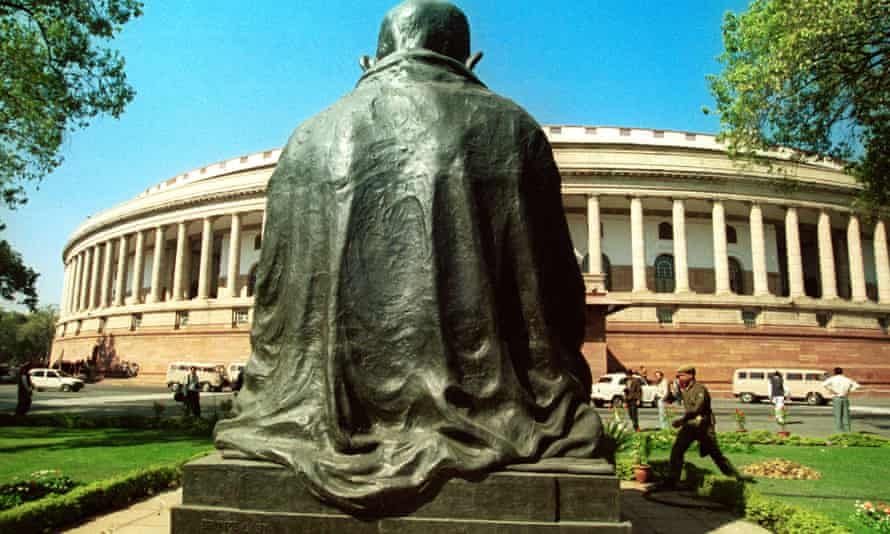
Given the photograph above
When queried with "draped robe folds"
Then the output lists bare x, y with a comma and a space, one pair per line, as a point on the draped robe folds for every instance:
419, 310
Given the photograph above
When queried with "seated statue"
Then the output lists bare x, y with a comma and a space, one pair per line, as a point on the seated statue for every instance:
419, 310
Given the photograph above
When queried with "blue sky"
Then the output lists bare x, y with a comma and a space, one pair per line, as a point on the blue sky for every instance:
219, 79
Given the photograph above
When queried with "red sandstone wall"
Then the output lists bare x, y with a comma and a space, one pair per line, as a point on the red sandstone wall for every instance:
717, 351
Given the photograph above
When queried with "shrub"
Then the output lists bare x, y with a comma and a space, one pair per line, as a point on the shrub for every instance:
36, 486
195, 425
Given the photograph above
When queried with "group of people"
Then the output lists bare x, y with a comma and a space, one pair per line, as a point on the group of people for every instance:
698, 423
190, 392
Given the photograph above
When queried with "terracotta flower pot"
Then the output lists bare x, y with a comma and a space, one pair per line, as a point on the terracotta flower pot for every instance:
784, 433
642, 473
741, 430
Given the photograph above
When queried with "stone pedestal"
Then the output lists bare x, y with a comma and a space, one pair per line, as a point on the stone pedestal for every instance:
228, 496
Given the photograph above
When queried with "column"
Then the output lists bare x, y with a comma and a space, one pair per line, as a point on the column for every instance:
66, 288
204, 266
594, 240
234, 263
75, 285
138, 266
681, 262
792, 250
882, 262
105, 297
857, 264
637, 244
94, 278
758, 250
85, 279
721, 261
826, 257
121, 272
156, 295
180, 261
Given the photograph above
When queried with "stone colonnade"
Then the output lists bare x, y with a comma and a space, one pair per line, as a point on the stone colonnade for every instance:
793, 258
96, 277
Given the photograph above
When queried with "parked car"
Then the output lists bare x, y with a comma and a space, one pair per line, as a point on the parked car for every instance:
211, 376
44, 379
610, 389
751, 385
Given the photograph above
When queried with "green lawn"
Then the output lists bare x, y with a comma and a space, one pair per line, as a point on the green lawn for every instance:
89, 455
848, 475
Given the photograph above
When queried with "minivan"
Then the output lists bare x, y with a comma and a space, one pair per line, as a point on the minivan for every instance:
211, 376
751, 385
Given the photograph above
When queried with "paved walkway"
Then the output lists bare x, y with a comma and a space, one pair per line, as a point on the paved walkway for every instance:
152, 516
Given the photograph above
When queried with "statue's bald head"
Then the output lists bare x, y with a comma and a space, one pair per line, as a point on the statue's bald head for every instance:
431, 24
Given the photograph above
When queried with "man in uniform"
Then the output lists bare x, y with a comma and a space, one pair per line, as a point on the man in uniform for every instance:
697, 424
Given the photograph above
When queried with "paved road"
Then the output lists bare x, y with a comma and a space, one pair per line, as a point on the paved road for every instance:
116, 397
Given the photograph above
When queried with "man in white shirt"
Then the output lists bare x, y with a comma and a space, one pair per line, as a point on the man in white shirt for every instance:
778, 392
840, 386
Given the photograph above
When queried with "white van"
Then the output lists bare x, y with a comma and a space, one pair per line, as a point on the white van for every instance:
751, 385
210, 375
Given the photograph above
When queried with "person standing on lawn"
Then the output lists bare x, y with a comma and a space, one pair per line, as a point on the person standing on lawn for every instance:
662, 394
696, 424
778, 391
25, 390
193, 392
633, 397
840, 386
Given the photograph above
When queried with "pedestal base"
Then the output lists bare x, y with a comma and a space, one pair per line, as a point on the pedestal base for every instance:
226, 496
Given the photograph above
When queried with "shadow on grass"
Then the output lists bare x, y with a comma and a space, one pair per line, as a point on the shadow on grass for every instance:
54, 439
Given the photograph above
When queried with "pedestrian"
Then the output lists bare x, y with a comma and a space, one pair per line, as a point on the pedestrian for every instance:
633, 397
239, 381
778, 391
193, 392
696, 424
840, 387
25, 390
662, 397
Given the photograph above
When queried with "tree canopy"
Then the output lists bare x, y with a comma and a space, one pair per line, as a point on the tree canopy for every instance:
27, 337
812, 75
56, 73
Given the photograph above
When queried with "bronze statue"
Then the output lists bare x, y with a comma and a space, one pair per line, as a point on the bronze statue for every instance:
419, 310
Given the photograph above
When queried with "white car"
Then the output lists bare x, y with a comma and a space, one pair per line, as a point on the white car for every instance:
610, 389
54, 379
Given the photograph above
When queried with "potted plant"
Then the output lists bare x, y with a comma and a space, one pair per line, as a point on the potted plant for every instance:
740, 420
782, 420
642, 469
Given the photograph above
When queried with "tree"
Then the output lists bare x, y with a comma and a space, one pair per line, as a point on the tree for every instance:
812, 75
56, 73
27, 337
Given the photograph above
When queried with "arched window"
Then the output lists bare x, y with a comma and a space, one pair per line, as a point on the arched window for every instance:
251, 280
736, 277
731, 236
664, 274
666, 231
607, 273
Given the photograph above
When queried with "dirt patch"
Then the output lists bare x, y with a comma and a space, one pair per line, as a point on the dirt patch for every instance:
780, 468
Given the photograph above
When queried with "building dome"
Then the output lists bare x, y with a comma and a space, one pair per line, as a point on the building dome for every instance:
712, 263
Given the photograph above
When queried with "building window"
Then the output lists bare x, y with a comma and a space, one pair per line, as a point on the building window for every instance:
624, 132
732, 237
251, 280
659, 134
664, 274
555, 129
101, 327
883, 322
239, 316
665, 232
258, 241
65, 329
823, 318
665, 315
736, 277
135, 321
78, 327
607, 273
182, 319
749, 317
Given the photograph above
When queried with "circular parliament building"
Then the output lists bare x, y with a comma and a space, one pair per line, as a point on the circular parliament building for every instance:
690, 257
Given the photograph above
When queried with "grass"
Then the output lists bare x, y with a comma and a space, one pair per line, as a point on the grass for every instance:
90, 455
848, 475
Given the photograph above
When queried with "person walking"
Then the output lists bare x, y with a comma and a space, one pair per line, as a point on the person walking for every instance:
633, 397
696, 424
193, 392
840, 387
777, 394
25, 390
662, 397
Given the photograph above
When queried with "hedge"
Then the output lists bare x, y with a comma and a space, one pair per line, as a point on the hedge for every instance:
94, 499
141, 422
